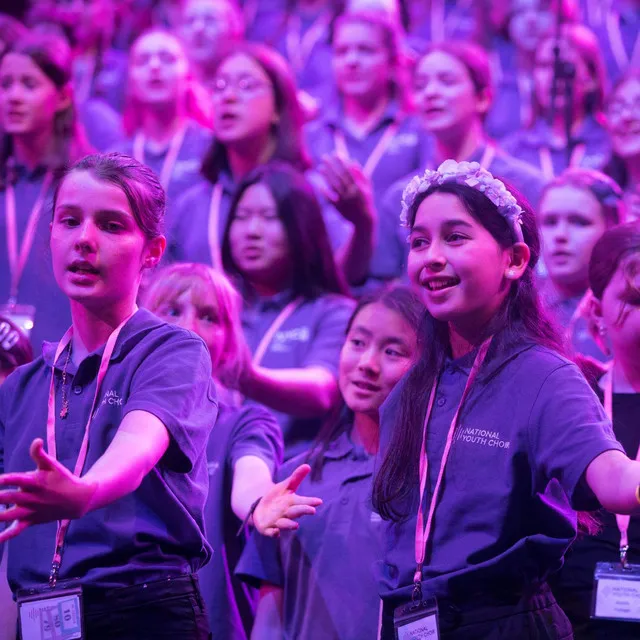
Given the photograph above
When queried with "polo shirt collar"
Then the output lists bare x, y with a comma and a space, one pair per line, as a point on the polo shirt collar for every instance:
133, 331
334, 115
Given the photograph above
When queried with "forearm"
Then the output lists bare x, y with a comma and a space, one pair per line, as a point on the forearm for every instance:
355, 257
251, 480
304, 393
615, 479
139, 444
268, 622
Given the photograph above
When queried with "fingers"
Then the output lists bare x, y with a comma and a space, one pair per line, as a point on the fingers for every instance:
14, 529
312, 502
297, 511
21, 498
285, 524
296, 478
23, 480
15, 513
42, 459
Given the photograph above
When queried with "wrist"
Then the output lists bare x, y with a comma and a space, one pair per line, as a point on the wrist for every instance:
249, 520
85, 497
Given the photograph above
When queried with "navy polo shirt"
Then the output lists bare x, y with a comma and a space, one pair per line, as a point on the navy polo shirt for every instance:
325, 566
155, 531
186, 170
37, 286
526, 144
249, 430
402, 157
311, 336
505, 516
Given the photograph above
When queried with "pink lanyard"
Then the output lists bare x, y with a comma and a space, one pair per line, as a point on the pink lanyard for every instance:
18, 261
617, 45
621, 520
546, 162
271, 331
170, 159
63, 525
214, 221
375, 156
299, 47
423, 531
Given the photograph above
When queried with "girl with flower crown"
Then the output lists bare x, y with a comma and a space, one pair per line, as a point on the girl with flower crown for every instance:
494, 439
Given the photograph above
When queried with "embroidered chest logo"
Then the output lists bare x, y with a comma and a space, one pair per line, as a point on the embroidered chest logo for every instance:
482, 438
286, 339
111, 398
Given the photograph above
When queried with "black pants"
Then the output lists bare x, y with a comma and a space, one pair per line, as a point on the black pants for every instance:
535, 616
170, 608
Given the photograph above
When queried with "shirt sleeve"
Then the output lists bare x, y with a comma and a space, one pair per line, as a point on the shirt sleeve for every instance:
329, 333
568, 429
174, 384
256, 433
261, 562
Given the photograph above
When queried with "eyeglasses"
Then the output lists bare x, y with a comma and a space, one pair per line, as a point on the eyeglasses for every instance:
246, 86
617, 107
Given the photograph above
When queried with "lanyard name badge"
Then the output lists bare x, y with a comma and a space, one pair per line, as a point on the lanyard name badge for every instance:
54, 612
616, 591
22, 315
419, 618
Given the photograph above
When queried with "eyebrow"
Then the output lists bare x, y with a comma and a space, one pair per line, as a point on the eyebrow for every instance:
447, 223
78, 209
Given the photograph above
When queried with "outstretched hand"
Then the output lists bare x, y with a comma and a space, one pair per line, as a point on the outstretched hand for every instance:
281, 506
49, 493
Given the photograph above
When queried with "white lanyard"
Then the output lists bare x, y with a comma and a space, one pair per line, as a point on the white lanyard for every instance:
170, 159
375, 156
546, 161
271, 331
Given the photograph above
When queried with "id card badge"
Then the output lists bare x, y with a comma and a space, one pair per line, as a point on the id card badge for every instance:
22, 315
417, 620
616, 592
51, 614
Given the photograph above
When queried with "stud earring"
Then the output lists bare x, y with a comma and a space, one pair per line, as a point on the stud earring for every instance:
511, 273
602, 330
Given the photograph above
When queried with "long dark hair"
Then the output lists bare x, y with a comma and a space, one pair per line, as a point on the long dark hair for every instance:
290, 146
314, 268
521, 317
53, 57
406, 303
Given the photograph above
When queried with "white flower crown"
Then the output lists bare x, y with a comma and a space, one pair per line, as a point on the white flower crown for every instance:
474, 176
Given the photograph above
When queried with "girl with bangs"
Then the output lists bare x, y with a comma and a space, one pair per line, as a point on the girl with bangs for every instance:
245, 447
493, 440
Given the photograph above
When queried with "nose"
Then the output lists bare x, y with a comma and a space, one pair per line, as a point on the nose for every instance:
434, 257
87, 236
254, 226
369, 361
561, 232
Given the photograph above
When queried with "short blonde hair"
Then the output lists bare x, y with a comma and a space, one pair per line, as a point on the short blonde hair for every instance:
205, 285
